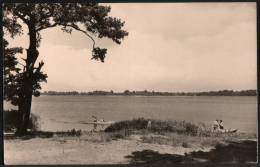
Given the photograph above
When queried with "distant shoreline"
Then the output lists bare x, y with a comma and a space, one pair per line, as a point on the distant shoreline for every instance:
153, 93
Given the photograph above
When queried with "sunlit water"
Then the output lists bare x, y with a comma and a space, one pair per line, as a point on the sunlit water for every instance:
68, 112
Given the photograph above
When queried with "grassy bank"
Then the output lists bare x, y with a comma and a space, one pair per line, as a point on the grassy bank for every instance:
178, 127
175, 133
131, 142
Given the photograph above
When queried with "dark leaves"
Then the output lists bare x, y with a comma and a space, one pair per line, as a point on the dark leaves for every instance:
11, 26
67, 29
11, 72
99, 54
90, 18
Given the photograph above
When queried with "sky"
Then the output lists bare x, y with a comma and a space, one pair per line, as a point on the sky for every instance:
170, 47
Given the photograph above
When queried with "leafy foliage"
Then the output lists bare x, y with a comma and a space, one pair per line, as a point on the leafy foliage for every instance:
11, 73
99, 54
181, 127
12, 121
89, 18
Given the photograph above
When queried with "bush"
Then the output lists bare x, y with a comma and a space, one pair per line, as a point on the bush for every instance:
117, 136
12, 119
137, 124
185, 145
34, 124
157, 126
72, 132
191, 129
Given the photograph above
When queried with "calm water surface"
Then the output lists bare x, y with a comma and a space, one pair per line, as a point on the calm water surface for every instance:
67, 112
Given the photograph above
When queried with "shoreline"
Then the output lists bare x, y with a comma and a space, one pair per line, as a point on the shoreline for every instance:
120, 95
111, 148
132, 142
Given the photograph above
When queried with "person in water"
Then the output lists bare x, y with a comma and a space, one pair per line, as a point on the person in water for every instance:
102, 120
94, 124
221, 125
216, 124
149, 124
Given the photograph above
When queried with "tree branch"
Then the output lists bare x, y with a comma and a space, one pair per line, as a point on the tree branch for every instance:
38, 69
72, 26
85, 32
22, 17
46, 16
21, 64
45, 27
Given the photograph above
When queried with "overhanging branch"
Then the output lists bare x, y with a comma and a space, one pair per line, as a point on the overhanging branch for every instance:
85, 32
72, 26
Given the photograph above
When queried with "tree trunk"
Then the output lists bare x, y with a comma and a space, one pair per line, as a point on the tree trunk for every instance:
25, 97
25, 108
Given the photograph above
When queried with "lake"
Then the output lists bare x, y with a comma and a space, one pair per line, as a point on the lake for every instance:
68, 112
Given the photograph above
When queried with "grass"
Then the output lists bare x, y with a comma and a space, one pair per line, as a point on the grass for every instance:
135, 124
180, 127
182, 140
192, 140
45, 134
173, 133
165, 127
101, 137
176, 133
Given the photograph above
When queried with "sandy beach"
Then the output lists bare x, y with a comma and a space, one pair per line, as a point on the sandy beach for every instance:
74, 150
98, 148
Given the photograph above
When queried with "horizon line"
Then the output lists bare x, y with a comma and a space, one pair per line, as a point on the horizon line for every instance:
150, 91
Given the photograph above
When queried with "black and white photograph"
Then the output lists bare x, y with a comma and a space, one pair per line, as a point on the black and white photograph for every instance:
130, 83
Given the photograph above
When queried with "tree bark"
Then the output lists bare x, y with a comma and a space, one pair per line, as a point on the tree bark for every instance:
25, 97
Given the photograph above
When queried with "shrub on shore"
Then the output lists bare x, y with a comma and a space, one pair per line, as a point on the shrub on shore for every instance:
72, 132
135, 124
181, 127
12, 120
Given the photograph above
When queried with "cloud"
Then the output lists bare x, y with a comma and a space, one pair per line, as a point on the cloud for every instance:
184, 20
170, 47
198, 63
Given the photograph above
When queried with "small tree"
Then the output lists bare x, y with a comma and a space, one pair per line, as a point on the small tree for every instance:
11, 70
11, 73
89, 18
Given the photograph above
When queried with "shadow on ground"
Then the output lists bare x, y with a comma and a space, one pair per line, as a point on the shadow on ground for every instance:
43, 134
29, 135
235, 152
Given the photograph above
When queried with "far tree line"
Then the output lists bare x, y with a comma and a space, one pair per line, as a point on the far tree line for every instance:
156, 93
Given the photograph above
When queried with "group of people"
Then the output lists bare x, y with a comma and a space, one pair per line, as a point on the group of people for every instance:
218, 125
95, 122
